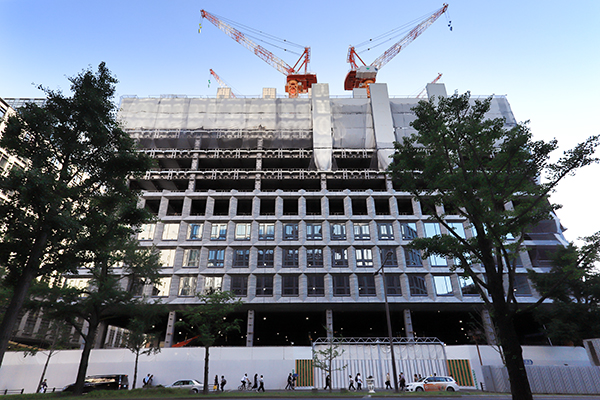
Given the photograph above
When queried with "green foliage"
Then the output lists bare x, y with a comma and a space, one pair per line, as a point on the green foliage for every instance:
323, 358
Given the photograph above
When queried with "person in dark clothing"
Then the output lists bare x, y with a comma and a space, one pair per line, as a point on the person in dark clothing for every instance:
327, 382
261, 386
216, 384
255, 385
358, 382
223, 382
290, 383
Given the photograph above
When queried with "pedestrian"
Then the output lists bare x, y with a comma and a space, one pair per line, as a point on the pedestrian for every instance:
43, 386
216, 384
255, 386
150, 380
327, 382
402, 381
358, 382
290, 382
262, 384
387, 381
146, 380
244, 380
223, 383
420, 377
351, 384
416, 378
294, 379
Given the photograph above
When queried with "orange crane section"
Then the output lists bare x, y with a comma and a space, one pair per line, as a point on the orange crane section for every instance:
221, 83
297, 81
362, 76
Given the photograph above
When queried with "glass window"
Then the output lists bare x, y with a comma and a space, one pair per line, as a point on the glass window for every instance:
77, 283
385, 231
388, 256
167, 257
366, 285
216, 258
218, 232
338, 231
314, 257
521, 286
195, 231
161, 288
431, 229
364, 257
187, 285
170, 231
241, 258
146, 232
409, 230
290, 231
313, 231
191, 257
413, 258
339, 257
137, 287
341, 285
393, 285
290, 258
416, 284
239, 285
213, 284
437, 261
315, 285
242, 231
361, 231
266, 231
264, 258
467, 286
264, 285
458, 227
443, 285
289, 285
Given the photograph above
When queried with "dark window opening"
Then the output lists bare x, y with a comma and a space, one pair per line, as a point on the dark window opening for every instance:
175, 207
221, 207
315, 285
153, 206
359, 207
336, 207
290, 185
290, 206
244, 207
382, 206
313, 206
239, 285
366, 285
405, 207
289, 285
428, 207
377, 185
267, 206
224, 185
198, 207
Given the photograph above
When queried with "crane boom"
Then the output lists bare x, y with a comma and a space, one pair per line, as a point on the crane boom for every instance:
221, 83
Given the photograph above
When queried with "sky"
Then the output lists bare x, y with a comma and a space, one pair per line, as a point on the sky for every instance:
542, 55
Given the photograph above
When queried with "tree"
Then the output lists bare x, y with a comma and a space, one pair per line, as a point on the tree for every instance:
209, 321
323, 358
574, 286
74, 150
489, 173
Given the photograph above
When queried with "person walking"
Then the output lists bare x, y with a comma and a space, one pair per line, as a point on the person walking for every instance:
216, 384
290, 383
244, 381
223, 383
387, 381
358, 382
255, 386
43, 386
261, 385
327, 382
402, 381
351, 383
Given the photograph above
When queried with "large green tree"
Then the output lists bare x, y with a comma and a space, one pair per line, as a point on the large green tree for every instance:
74, 150
499, 179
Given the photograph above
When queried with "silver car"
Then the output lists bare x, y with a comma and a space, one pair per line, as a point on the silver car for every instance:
192, 385
433, 384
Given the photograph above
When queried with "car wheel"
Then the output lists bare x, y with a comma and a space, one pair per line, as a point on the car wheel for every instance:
419, 389
450, 389
194, 390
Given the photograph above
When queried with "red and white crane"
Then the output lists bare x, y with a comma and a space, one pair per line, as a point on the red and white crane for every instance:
297, 81
220, 81
363, 75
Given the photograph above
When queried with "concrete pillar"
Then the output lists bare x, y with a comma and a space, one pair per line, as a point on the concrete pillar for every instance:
408, 325
170, 329
329, 323
488, 327
250, 329
100, 335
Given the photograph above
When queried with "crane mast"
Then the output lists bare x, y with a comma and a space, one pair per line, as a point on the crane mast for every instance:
362, 76
296, 82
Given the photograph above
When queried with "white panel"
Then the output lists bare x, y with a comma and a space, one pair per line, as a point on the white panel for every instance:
382, 122
322, 140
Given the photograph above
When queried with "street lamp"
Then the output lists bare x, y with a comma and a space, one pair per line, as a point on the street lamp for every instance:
389, 320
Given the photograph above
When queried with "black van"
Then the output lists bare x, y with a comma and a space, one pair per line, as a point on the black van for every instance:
102, 382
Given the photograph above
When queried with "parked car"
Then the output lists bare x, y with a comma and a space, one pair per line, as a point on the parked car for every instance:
102, 382
433, 384
192, 385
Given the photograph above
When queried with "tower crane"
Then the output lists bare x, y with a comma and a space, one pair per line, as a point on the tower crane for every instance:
362, 76
298, 79
221, 83
425, 88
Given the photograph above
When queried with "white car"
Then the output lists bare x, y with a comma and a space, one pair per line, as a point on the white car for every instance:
433, 384
192, 385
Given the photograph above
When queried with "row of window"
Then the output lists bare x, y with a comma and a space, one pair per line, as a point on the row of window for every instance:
291, 231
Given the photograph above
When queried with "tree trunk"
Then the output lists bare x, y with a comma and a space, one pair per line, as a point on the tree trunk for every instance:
135, 368
44, 371
85, 356
205, 390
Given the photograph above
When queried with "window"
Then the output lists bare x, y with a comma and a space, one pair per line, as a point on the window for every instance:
77, 283
216, 258
467, 286
417, 286
187, 285
313, 231
366, 285
437, 261
364, 257
289, 285
290, 232
195, 231
521, 286
341, 285
218, 232
241, 258
315, 285
161, 288
409, 230
266, 231
338, 231
167, 257
443, 285
239, 285
146, 232
431, 229
290, 258
264, 258
242, 231
213, 284
388, 257
170, 231
264, 285
191, 258
413, 258
314, 257
137, 287
339, 256
458, 227
393, 285
385, 231
361, 231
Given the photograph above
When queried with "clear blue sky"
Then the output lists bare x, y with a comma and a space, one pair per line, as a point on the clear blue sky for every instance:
543, 55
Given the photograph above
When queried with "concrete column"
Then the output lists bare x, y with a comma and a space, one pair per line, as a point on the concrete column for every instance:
329, 323
323, 182
408, 325
100, 335
250, 329
170, 329
488, 327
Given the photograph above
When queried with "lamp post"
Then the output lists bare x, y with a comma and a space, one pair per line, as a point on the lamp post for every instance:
389, 320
